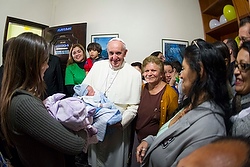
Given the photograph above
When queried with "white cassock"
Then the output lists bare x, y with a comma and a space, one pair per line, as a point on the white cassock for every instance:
123, 88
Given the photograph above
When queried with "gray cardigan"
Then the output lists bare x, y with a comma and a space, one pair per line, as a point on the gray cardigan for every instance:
241, 126
195, 129
40, 140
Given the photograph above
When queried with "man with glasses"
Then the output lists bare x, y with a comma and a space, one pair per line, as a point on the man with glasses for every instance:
244, 30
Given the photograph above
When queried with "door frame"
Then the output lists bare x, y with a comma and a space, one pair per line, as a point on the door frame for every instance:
21, 22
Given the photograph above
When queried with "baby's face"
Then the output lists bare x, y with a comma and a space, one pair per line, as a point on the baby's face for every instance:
91, 91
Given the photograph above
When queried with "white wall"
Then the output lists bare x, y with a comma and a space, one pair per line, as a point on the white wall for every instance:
38, 11
142, 24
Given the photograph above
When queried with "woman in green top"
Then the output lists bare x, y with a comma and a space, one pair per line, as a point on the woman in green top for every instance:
75, 72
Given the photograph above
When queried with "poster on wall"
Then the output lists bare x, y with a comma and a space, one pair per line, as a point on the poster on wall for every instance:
103, 40
173, 49
62, 37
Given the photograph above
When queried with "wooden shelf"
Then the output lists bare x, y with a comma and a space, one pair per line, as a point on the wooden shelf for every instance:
226, 28
216, 8
213, 9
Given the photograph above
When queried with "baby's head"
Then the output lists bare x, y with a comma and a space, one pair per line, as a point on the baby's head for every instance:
90, 90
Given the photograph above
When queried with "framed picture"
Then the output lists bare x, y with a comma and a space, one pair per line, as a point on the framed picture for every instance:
173, 49
103, 40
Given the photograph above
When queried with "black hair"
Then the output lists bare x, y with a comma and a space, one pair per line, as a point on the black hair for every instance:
246, 46
244, 21
225, 53
137, 64
5, 48
177, 65
94, 46
168, 63
232, 44
214, 81
156, 53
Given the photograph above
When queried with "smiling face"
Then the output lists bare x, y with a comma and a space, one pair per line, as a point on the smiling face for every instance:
188, 77
152, 73
116, 52
168, 71
77, 54
242, 83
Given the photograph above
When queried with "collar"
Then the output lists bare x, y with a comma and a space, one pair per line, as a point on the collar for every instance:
118, 68
245, 101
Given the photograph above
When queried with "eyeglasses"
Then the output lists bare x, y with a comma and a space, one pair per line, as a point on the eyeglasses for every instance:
243, 67
244, 39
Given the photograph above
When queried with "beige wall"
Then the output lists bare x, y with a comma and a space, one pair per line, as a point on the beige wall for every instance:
39, 11
142, 24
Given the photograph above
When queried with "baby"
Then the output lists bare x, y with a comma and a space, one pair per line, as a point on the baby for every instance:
72, 112
92, 97
87, 109
105, 114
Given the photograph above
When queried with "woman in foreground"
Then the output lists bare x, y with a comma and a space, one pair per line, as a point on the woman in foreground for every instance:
39, 139
200, 120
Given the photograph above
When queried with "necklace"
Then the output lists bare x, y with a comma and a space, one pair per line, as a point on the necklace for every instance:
109, 84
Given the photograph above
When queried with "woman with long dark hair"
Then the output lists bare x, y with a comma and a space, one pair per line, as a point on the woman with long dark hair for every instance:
201, 118
39, 139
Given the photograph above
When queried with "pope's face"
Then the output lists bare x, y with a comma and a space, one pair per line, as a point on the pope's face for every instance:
116, 53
